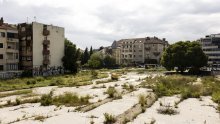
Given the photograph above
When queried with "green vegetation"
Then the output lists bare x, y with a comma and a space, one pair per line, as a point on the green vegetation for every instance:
79, 79
40, 118
104, 81
181, 55
71, 56
98, 60
184, 85
167, 110
169, 85
85, 57
129, 87
109, 119
19, 92
142, 100
67, 99
113, 93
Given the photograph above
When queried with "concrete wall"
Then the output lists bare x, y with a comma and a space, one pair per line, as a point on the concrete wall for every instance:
56, 46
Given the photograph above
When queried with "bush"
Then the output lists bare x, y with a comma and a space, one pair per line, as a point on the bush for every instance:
94, 74
111, 91
142, 100
167, 110
109, 119
67, 99
47, 99
17, 101
216, 97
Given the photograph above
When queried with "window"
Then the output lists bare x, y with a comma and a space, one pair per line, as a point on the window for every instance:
1, 67
16, 56
2, 34
29, 58
23, 58
1, 45
1, 56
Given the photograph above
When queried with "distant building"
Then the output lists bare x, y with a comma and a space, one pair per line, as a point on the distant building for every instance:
211, 47
146, 50
41, 46
9, 47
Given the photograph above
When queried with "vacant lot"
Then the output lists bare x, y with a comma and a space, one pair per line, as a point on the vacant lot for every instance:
93, 97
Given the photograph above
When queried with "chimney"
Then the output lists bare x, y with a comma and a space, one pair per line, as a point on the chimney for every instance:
1, 21
164, 39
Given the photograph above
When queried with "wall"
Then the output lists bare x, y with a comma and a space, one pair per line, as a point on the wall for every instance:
56, 46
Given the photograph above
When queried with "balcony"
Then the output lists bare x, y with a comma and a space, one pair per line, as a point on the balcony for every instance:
10, 50
46, 52
46, 61
25, 53
46, 42
12, 40
147, 48
12, 60
23, 43
26, 63
156, 53
46, 32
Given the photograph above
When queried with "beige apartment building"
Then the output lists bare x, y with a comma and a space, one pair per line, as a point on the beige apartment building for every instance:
41, 46
146, 50
9, 48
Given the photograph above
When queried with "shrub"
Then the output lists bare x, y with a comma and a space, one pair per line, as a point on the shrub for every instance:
40, 118
46, 99
109, 119
17, 101
9, 102
142, 100
216, 96
70, 99
94, 74
111, 91
167, 110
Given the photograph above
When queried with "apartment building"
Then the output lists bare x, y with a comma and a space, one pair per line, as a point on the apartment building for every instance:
41, 46
211, 47
146, 50
9, 48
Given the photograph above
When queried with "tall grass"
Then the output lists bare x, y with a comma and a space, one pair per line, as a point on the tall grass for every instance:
67, 99
184, 85
81, 78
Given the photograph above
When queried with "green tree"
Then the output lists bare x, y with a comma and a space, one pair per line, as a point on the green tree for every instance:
91, 51
85, 57
71, 56
184, 55
96, 60
109, 61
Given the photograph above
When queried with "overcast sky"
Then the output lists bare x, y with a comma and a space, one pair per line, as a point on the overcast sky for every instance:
99, 22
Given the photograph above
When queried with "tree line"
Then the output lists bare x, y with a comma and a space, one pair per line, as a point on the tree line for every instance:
180, 56
74, 58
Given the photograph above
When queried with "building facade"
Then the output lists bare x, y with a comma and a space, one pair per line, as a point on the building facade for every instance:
9, 47
41, 46
146, 50
211, 47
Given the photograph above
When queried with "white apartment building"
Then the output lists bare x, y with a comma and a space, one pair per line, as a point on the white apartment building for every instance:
9, 48
146, 50
41, 46
211, 47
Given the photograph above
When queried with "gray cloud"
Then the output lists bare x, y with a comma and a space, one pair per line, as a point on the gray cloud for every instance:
97, 23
